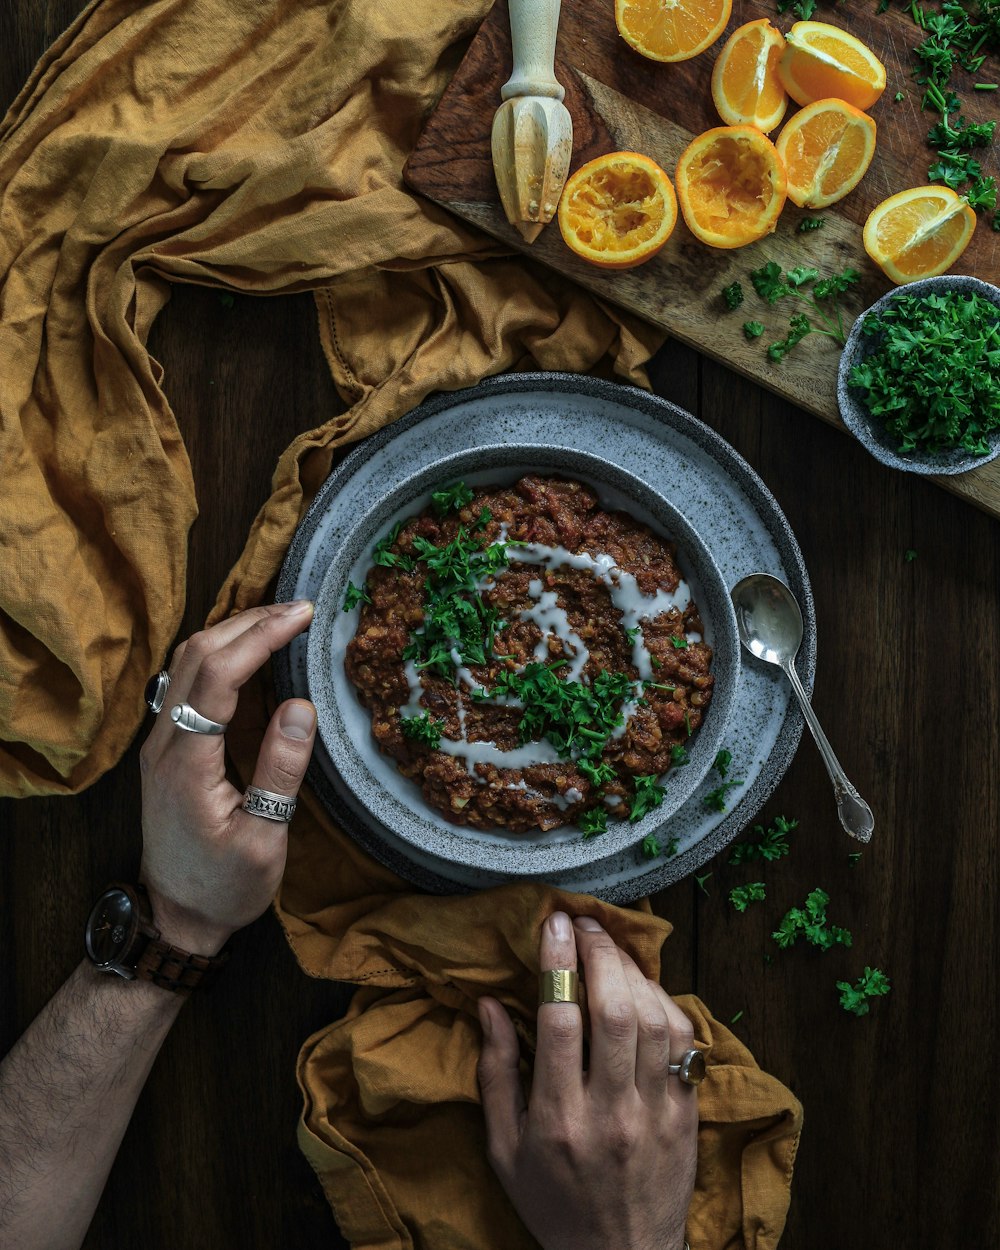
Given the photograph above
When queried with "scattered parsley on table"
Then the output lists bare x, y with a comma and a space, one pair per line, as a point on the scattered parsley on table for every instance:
741, 895
811, 923
873, 983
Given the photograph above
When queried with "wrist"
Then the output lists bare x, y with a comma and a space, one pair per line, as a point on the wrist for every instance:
185, 928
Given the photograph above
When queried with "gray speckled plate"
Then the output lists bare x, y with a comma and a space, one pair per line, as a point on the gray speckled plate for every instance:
703, 479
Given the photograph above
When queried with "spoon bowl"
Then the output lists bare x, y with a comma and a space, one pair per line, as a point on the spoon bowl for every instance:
769, 624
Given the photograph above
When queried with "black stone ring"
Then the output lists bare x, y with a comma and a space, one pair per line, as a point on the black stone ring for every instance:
691, 1069
156, 690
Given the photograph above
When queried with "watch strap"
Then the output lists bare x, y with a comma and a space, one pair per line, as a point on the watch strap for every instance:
178, 970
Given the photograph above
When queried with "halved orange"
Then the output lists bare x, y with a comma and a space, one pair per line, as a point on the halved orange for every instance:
822, 61
745, 84
826, 148
731, 186
617, 210
919, 233
671, 30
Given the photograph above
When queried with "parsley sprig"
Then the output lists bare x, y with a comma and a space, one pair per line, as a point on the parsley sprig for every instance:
873, 983
741, 895
771, 844
811, 923
821, 297
933, 376
422, 729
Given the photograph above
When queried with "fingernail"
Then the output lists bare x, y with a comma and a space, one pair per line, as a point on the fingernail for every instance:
485, 1019
588, 924
298, 608
297, 719
559, 926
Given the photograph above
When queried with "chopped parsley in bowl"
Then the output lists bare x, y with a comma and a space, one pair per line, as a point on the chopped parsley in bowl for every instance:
919, 380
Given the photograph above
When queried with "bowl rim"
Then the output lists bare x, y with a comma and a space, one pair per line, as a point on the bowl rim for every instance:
863, 426
416, 822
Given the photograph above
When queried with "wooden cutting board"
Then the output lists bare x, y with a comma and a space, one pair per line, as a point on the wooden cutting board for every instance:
620, 100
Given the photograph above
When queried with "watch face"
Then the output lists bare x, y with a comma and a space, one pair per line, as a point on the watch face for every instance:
111, 927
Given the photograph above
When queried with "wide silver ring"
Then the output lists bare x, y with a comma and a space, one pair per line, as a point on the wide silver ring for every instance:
185, 717
268, 804
156, 690
691, 1069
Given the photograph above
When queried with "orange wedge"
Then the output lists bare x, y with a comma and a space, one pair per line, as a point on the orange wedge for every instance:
745, 84
671, 30
826, 148
617, 210
918, 233
731, 186
822, 61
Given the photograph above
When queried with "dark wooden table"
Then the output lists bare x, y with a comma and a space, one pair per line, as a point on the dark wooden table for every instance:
900, 1145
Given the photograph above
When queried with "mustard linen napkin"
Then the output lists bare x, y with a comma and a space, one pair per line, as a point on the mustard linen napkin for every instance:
257, 145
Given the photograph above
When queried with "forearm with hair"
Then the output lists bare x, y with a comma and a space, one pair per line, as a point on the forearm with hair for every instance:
67, 1092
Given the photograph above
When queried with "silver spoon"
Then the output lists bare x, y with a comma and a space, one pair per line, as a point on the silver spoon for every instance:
770, 627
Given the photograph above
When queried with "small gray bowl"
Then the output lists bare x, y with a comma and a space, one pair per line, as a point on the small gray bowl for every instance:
868, 430
345, 725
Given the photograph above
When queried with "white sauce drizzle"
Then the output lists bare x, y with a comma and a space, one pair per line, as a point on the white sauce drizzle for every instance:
552, 620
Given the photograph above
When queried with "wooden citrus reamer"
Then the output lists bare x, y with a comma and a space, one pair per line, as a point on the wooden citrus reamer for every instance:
532, 129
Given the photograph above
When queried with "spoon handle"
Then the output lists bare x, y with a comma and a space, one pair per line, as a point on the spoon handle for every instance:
855, 814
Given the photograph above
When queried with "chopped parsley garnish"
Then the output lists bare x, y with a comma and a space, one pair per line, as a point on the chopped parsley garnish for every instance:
651, 847
422, 729
701, 883
753, 329
383, 556
679, 755
722, 761
810, 223
811, 923
716, 799
648, 795
679, 644
733, 295
598, 774
771, 842
574, 717
741, 895
457, 622
853, 857
633, 635
909, 555
451, 498
355, 595
737, 1017
932, 377
873, 983
593, 822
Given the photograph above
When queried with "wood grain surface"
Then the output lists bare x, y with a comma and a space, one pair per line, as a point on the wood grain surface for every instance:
619, 100
900, 1147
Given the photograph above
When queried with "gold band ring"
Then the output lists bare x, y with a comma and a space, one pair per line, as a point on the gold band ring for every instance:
559, 985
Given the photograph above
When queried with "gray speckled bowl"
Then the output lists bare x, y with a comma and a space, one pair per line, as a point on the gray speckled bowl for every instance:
867, 429
345, 725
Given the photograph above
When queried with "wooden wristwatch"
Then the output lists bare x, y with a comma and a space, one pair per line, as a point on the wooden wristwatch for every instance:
121, 937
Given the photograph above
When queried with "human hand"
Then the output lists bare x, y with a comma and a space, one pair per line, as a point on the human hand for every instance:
604, 1157
211, 868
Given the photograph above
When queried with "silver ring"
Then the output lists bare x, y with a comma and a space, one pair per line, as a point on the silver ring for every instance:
156, 690
269, 805
185, 717
691, 1069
